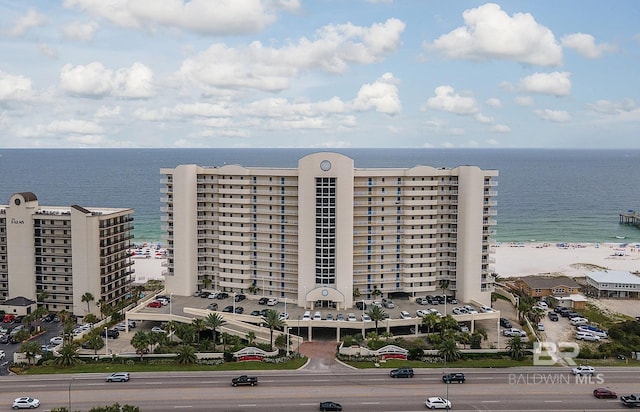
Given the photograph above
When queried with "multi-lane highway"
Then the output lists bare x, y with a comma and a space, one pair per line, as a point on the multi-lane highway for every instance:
519, 389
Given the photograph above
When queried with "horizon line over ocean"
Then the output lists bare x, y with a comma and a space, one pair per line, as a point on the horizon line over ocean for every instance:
546, 195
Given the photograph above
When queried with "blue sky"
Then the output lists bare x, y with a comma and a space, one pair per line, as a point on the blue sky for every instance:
322, 73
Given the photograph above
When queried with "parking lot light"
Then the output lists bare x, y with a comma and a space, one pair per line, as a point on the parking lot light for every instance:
106, 342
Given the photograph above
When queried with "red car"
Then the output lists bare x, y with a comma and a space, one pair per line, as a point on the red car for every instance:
604, 393
154, 304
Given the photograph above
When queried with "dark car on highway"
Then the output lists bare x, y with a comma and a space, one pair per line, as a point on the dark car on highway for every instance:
604, 393
453, 377
330, 406
401, 373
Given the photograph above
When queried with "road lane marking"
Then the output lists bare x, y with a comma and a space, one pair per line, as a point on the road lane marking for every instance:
182, 406
307, 404
371, 403
246, 404
553, 401
490, 401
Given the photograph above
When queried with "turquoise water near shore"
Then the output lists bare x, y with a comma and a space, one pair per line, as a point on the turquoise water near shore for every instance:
543, 195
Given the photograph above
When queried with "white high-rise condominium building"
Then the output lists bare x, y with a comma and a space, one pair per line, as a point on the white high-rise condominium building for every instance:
326, 231
64, 252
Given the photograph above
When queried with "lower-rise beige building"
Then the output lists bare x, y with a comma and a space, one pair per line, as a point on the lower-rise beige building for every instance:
58, 254
328, 232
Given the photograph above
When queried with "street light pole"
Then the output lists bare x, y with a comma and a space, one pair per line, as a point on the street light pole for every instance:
170, 306
288, 332
70, 394
106, 342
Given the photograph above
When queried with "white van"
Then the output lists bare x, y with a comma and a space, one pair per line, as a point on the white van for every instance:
543, 305
307, 315
578, 321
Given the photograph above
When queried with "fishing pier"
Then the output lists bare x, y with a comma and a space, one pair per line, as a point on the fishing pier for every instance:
630, 218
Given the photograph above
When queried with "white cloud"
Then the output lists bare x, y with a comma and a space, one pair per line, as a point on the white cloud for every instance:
557, 116
490, 33
611, 107
26, 22
480, 118
273, 69
46, 50
448, 100
94, 80
15, 87
105, 112
80, 31
555, 84
60, 127
220, 17
494, 102
500, 128
524, 100
382, 96
585, 44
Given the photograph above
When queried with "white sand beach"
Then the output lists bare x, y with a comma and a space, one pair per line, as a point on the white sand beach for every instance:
522, 259
147, 269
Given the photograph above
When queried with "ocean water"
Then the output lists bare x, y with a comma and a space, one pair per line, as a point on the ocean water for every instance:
543, 195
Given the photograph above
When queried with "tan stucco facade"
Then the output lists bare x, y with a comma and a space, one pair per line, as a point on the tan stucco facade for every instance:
328, 231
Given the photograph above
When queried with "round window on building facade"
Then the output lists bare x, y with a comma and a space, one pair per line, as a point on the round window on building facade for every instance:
325, 165
17, 202
325, 292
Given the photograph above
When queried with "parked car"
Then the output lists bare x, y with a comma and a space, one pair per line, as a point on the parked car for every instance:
604, 393
470, 309
401, 373
593, 330
283, 316
272, 301
576, 321
154, 304
263, 300
388, 303
361, 305
317, 316
451, 299
330, 406
460, 311
240, 297
486, 309
553, 316
25, 402
222, 295
366, 318
587, 337
351, 317
112, 333
56, 340
340, 317
505, 323
583, 370
228, 309
2, 354
513, 332
157, 329
422, 312
542, 305
255, 313
329, 316
437, 403
212, 306
453, 377
405, 315
239, 310
540, 326
118, 377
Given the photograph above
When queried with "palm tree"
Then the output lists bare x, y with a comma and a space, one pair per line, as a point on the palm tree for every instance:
376, 314
523, 308
430, 320
251, 337
87, 297
464, 338
536, 313
91, 318
273, 321
96, 342
214, 321
68, 355
141, 342
515, 348
171, 328
206, 282
198, 326
31, 349
42, 296
448, 349
447, 323
186, 355
443, 284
